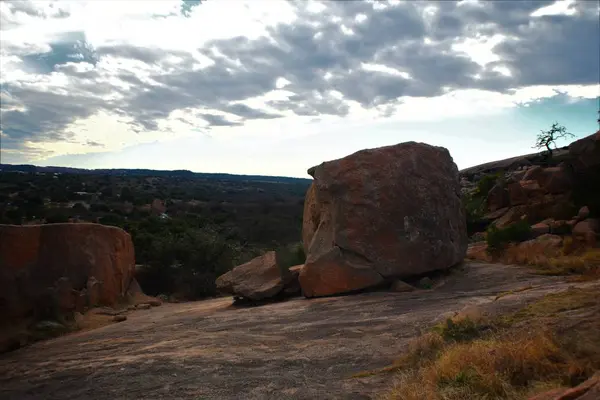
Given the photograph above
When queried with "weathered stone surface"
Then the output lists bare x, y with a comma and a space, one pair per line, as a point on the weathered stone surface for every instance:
516, 194
513, 215
478, 251
292, 287
583, 213
388, 212
311, 217
534, 173
65, 295
135, 295
540, 229
587, 230
334, 272
556, 180
498, 197
401, 286
94, 290
260, 278
585, 153
34, 257
588, 390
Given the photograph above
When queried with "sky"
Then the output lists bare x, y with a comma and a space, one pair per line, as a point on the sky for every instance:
274, 87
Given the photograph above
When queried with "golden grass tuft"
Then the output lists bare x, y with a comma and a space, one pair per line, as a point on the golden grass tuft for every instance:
514, 361
570, 259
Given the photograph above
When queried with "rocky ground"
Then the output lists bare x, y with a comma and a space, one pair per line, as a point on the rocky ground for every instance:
297, 349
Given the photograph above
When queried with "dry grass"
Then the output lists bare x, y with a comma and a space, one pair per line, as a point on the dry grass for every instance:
514, 360
571, 259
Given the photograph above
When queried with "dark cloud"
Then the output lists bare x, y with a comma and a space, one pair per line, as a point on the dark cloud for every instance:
246, 112
556, 50
217, 120
320, 54
93, 144
45, 116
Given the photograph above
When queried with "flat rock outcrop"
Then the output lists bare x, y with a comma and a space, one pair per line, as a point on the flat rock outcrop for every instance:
68, 266
381, 213
258, 279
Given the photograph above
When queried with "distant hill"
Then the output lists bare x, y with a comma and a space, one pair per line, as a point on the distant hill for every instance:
150, 172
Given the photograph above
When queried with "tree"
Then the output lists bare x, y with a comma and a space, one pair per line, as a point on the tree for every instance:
547, 138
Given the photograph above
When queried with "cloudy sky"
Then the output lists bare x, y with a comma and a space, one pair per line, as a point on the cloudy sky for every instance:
273, 87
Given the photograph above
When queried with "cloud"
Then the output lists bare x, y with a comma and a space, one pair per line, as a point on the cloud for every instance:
172, 69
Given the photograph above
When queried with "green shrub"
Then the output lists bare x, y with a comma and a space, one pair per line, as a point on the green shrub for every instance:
474, 213
498, 238
291, 255
487, 182
460, 331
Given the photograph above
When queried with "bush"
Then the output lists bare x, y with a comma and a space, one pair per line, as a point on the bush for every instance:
474, 213
498, 238
487, 182
290, 256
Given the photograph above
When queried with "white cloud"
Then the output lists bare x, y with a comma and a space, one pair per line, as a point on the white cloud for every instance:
144, 72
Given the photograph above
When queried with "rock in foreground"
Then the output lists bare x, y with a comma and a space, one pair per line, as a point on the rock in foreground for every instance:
62, 267
381, 213
258, 279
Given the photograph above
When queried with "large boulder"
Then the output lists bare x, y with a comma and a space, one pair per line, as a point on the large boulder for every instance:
382, 213
63, 259
258, 279
585, 153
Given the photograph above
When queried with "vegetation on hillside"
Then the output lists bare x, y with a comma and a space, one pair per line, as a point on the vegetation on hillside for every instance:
186, 228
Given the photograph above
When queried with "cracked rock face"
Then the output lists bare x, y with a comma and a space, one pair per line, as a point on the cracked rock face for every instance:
390, 212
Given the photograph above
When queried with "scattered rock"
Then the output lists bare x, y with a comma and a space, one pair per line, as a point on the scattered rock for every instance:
401, 286
120, 318
143, 306
379, 214
135, 295
534, 173
260, 278
155, 302
163, 297
556, 180
587, 230
104, 311
497, 198
78, 319
513, 215
478, 251
425, 283
495, 214
292, 288
588, 390
516, 194
583, 213
540, 229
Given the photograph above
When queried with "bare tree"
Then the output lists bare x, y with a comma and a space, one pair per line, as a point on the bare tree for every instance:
545, 139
